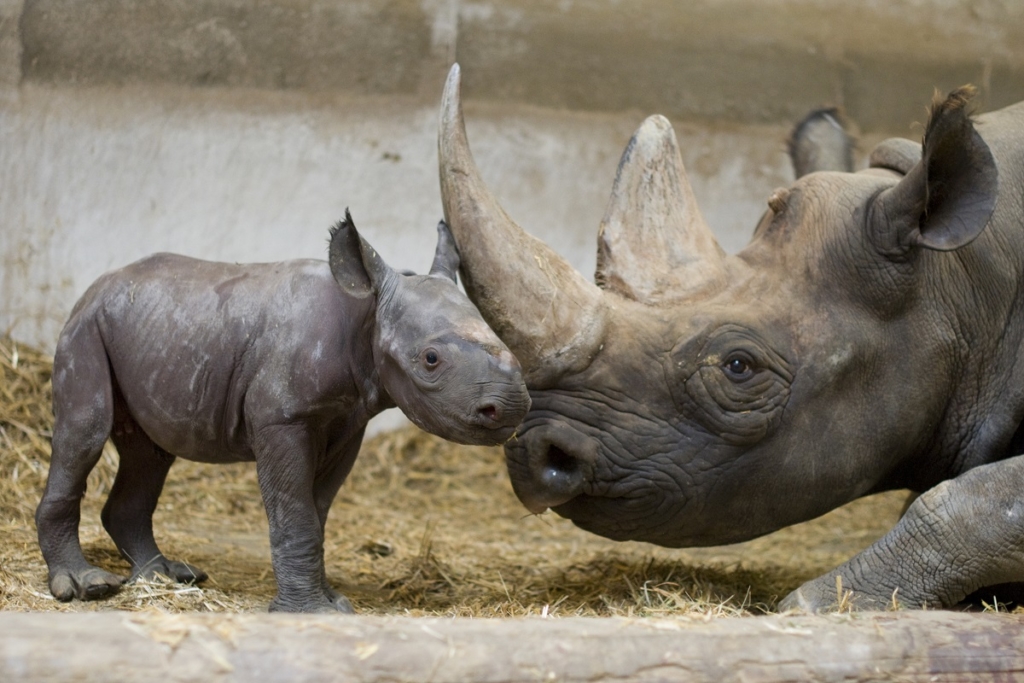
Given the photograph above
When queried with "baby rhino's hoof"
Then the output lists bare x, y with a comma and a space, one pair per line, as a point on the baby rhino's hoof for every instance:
340, 602
90, 583
335, 604
171, 569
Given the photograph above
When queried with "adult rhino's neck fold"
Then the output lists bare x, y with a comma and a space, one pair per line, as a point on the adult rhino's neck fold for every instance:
544, 310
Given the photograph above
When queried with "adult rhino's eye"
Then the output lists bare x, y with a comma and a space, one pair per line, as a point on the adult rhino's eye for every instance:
430, 358
737, 368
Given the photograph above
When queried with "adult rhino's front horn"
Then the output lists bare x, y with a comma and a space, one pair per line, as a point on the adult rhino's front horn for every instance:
550, 317
654, 247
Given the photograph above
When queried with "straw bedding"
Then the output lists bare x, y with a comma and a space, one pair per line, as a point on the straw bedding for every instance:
422, 527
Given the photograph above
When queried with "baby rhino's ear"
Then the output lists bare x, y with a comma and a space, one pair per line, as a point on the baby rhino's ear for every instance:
446, 257
356, 266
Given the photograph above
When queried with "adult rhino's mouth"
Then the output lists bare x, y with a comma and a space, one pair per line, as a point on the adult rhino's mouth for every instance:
553, 465
599, 515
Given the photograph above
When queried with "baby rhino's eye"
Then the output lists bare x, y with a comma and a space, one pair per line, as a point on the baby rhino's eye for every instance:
430, 358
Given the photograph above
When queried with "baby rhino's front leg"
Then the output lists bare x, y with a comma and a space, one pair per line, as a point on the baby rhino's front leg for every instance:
962, 535
286, 468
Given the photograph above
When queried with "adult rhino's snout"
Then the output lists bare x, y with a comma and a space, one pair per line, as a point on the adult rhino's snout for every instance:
549, 465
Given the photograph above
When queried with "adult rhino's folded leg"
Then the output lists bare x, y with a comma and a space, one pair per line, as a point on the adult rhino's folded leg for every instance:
965, 534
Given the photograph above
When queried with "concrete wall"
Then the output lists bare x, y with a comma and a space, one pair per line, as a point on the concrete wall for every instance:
241, 129
740, 60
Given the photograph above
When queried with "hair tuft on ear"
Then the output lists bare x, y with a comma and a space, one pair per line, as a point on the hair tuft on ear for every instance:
344, 224
948, 111
958, 99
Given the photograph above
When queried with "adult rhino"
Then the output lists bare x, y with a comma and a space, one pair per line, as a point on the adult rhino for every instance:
868, 338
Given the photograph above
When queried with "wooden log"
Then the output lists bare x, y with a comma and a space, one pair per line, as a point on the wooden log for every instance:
222, 648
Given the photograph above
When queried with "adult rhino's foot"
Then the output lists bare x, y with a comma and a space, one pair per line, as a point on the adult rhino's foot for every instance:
907, 568
87, 583
171, 569
335, 603
825, 594
959, 536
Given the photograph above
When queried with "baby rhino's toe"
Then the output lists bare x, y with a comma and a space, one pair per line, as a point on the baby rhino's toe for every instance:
88, 583
171, 569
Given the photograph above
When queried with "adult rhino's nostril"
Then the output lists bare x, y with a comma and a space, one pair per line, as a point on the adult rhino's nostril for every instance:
560, 473
550, 464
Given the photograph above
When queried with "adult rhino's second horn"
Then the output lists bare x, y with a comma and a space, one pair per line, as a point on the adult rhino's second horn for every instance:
654, 246
542, 308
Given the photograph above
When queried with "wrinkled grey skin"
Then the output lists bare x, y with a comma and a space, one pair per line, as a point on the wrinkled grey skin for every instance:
868, 338
278, 363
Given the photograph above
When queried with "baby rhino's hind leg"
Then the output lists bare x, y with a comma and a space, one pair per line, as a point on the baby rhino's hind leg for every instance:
83, 412
128, 513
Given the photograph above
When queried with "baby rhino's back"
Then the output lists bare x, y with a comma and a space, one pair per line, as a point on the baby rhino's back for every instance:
187, 338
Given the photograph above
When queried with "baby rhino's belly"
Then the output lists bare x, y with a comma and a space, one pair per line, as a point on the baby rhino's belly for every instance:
190, 411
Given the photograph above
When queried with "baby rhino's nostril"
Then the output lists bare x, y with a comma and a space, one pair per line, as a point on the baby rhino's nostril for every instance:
489, 411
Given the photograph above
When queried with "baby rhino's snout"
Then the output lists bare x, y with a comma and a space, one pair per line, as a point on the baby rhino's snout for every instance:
506, 400
490, 412
491, 396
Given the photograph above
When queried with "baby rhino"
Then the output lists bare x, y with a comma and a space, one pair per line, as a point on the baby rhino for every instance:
279, 363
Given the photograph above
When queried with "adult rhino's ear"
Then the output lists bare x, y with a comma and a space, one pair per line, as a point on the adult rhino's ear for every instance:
356, 266
446, 257
820, 142
947, 198
896, 154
